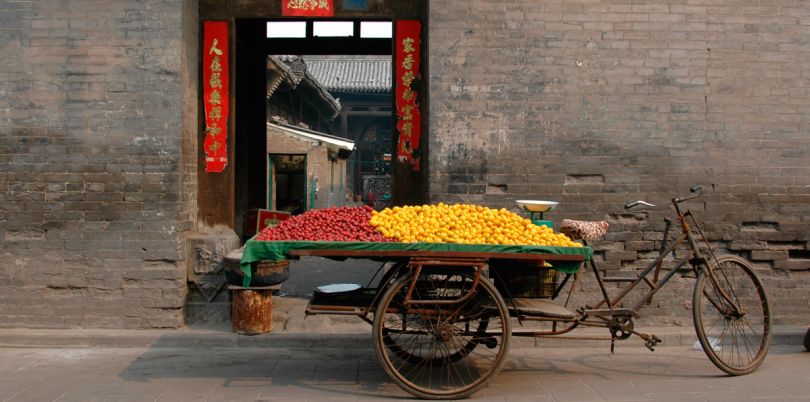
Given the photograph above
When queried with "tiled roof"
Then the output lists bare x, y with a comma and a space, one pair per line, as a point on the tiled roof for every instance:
294, 71
363, 74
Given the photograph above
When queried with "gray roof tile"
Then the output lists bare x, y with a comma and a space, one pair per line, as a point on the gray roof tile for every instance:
351, 73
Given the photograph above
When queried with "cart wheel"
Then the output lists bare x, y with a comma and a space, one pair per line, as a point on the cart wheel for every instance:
440, 349
420, 355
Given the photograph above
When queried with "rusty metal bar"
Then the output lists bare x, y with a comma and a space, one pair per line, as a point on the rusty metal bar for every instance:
643, 274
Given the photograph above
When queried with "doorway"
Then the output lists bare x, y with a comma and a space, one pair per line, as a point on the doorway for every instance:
292, 94
289, 172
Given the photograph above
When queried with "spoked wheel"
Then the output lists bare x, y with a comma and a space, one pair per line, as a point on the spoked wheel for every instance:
454, 352
441, 345
732, 316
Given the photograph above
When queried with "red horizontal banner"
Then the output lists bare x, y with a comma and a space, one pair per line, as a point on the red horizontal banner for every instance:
307, 8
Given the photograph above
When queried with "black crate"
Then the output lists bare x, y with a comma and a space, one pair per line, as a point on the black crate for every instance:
362, 297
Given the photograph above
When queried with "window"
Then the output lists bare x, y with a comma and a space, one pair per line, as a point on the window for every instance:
329, 29
286, 29
333, 28
375, 29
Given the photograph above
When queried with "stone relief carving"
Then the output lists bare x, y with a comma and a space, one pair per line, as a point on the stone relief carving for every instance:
208, 261
205, 254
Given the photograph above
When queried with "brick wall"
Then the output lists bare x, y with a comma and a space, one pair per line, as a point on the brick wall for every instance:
590, 103
191, 118
95, 178
595, 103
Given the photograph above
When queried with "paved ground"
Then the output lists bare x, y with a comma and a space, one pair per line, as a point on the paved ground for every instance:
159, 373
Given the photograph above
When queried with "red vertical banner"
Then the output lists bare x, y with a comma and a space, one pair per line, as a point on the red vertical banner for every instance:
215, 94
409, 120
307, 8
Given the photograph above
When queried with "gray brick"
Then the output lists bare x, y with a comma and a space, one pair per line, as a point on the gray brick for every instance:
766, 255
639, 245
620, 255
792, 264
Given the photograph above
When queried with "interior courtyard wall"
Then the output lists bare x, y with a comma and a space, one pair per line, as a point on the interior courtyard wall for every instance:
318, 165
598, 102
96, 178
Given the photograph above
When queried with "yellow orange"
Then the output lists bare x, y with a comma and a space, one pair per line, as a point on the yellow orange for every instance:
465, 224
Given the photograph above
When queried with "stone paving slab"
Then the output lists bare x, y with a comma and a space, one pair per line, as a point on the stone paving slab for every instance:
353, 374
223, 336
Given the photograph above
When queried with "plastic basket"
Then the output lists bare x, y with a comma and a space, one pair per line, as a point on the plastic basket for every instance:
521, 279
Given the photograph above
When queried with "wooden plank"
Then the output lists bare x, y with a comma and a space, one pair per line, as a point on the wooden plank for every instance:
435, 254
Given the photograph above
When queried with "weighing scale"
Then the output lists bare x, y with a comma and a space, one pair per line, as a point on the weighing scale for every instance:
537, 208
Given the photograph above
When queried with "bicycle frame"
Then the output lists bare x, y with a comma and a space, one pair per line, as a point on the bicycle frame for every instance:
655, 285
601, 317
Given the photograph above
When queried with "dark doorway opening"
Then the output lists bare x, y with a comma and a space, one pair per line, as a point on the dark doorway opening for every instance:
290, 182
252, 48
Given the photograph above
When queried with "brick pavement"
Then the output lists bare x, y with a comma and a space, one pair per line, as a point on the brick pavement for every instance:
157, 373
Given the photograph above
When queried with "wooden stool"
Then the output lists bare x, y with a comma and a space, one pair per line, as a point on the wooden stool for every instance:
252, 309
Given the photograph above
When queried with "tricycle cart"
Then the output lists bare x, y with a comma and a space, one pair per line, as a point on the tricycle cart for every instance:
441, 314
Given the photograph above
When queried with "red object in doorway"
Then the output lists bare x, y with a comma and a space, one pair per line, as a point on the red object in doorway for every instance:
257, 219
409, 120
215, 94
307, 8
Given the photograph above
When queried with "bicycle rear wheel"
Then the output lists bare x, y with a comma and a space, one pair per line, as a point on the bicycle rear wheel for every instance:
732, 316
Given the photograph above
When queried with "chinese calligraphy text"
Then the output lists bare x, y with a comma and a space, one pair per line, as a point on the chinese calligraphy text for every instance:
215, 95
409, 121
307, 8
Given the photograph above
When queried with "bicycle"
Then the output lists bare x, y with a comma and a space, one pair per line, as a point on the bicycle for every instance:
730, 307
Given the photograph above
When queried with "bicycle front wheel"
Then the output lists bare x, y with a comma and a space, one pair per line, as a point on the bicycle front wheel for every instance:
732, 316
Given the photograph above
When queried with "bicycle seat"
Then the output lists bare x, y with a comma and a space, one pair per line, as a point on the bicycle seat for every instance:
583, 230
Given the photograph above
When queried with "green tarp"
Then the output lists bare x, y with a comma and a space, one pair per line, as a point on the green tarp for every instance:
279, 250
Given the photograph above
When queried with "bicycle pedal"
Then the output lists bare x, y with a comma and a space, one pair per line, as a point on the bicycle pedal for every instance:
652, 342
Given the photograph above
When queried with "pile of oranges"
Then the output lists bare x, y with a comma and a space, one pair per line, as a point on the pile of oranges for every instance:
464, 224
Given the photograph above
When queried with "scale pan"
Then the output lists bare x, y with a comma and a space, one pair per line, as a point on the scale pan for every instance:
537, 205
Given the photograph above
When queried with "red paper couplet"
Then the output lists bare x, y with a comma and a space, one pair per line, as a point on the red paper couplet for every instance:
409, 120
307, 8
215, 94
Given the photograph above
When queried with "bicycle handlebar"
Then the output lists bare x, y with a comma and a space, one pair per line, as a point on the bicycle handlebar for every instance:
697, 190
639, 202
